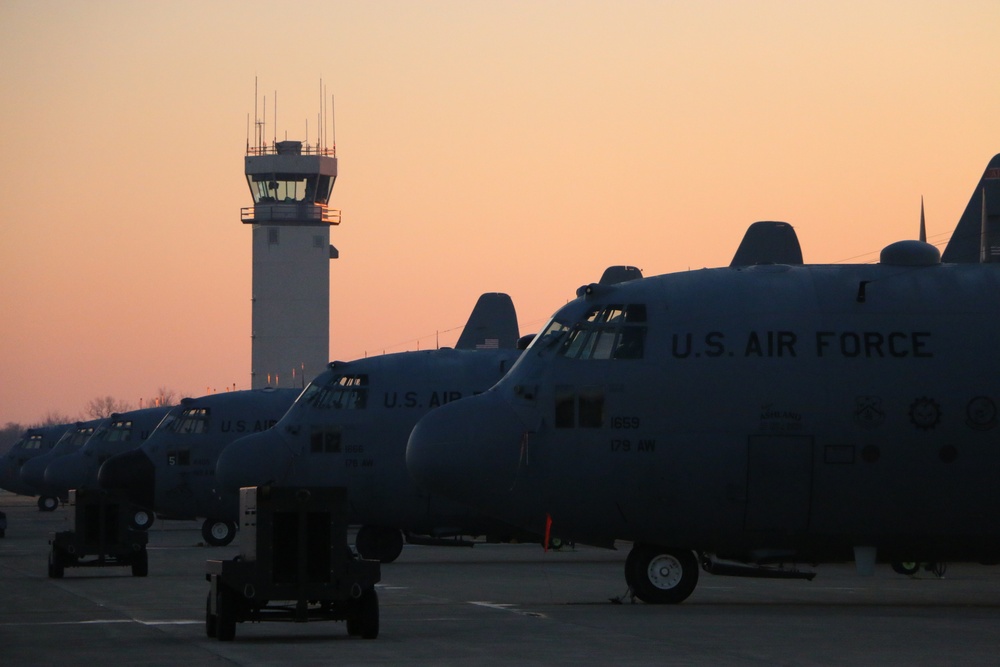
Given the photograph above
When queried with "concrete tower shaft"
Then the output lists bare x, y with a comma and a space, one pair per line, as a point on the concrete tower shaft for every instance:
291, 219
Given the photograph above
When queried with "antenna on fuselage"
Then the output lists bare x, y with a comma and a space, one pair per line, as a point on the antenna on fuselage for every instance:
923, 226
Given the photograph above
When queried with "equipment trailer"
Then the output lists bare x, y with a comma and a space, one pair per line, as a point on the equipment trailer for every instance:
100, 527
294, 565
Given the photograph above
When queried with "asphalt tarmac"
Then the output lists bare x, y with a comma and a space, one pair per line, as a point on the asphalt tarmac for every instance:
489, 605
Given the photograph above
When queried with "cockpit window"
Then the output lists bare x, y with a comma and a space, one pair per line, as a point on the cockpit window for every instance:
33, 442
608, 332
192, 421
552, 332
342, 392
118, 431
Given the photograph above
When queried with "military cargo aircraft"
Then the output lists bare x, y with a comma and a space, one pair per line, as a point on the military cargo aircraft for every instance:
32, 474
120, 433
173, 472
741, 418
349, 428
34, 442
340, 433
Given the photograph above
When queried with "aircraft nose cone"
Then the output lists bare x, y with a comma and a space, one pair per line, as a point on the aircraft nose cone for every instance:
468, 450
132, 472
33, 471
65, 472
254, 460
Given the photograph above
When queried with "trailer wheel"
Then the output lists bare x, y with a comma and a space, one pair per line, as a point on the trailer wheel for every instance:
141, 519
211, 628
48, 503
140, 563
661, 576
56, 565
908, 568
218, 533
225, 620
367, 618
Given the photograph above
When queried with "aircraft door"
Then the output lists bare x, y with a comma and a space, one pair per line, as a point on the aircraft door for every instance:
779, 483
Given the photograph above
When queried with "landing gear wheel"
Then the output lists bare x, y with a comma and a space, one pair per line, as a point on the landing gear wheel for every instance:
659, 575
218, 533
379, 543
365, 623
140, 564
141, 519
907, 568
48, 503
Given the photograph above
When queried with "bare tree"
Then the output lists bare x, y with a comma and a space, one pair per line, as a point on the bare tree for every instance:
165, 397
105, 406
54, 418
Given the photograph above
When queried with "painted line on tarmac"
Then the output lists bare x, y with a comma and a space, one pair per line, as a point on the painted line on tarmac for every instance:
108, 621
503, 606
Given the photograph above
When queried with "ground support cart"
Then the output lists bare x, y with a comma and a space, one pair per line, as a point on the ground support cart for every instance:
294, 565
100, 527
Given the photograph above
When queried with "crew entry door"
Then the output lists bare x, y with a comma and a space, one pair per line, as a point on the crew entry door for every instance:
779, 483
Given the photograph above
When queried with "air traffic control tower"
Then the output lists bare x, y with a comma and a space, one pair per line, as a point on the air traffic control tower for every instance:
291, 186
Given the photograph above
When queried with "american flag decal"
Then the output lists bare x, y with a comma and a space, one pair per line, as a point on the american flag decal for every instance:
489, 344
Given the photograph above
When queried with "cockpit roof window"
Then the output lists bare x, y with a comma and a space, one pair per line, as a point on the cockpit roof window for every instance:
614, 331
192, 421
341, 392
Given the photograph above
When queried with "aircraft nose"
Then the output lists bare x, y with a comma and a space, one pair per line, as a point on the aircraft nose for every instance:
33, 471
65, 472
468, 450
132, 472
254, 460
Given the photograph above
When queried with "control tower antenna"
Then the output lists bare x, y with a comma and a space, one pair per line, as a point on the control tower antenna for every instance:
291, 184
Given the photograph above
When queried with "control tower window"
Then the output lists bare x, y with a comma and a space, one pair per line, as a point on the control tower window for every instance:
290, 188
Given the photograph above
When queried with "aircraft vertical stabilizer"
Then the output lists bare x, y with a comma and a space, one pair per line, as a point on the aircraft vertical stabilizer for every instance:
979, 222
492, 324
768, 242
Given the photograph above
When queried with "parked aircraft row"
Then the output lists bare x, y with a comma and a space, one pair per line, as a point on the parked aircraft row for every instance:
725, 419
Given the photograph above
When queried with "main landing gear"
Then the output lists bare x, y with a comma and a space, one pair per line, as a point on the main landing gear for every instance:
658, 575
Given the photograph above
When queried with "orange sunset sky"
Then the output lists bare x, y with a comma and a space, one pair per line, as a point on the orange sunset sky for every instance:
515, 146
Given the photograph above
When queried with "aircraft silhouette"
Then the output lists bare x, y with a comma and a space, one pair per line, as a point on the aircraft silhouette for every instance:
739, 418
349, 428
173, 472
33, 442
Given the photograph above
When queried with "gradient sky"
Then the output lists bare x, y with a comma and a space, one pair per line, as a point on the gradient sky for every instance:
516, 146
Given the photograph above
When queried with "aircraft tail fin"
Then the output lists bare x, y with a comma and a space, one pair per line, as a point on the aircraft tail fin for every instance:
980, 223
492, 324
768, 242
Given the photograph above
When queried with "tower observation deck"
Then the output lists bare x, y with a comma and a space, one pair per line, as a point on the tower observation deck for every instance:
291, 185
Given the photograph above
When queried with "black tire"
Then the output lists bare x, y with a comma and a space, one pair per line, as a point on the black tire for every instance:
142, 519
218, 533
366, 622
56, 565
379, 543
140, 563
659, 575
211, 627
48, 503
225, 620
908, 568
